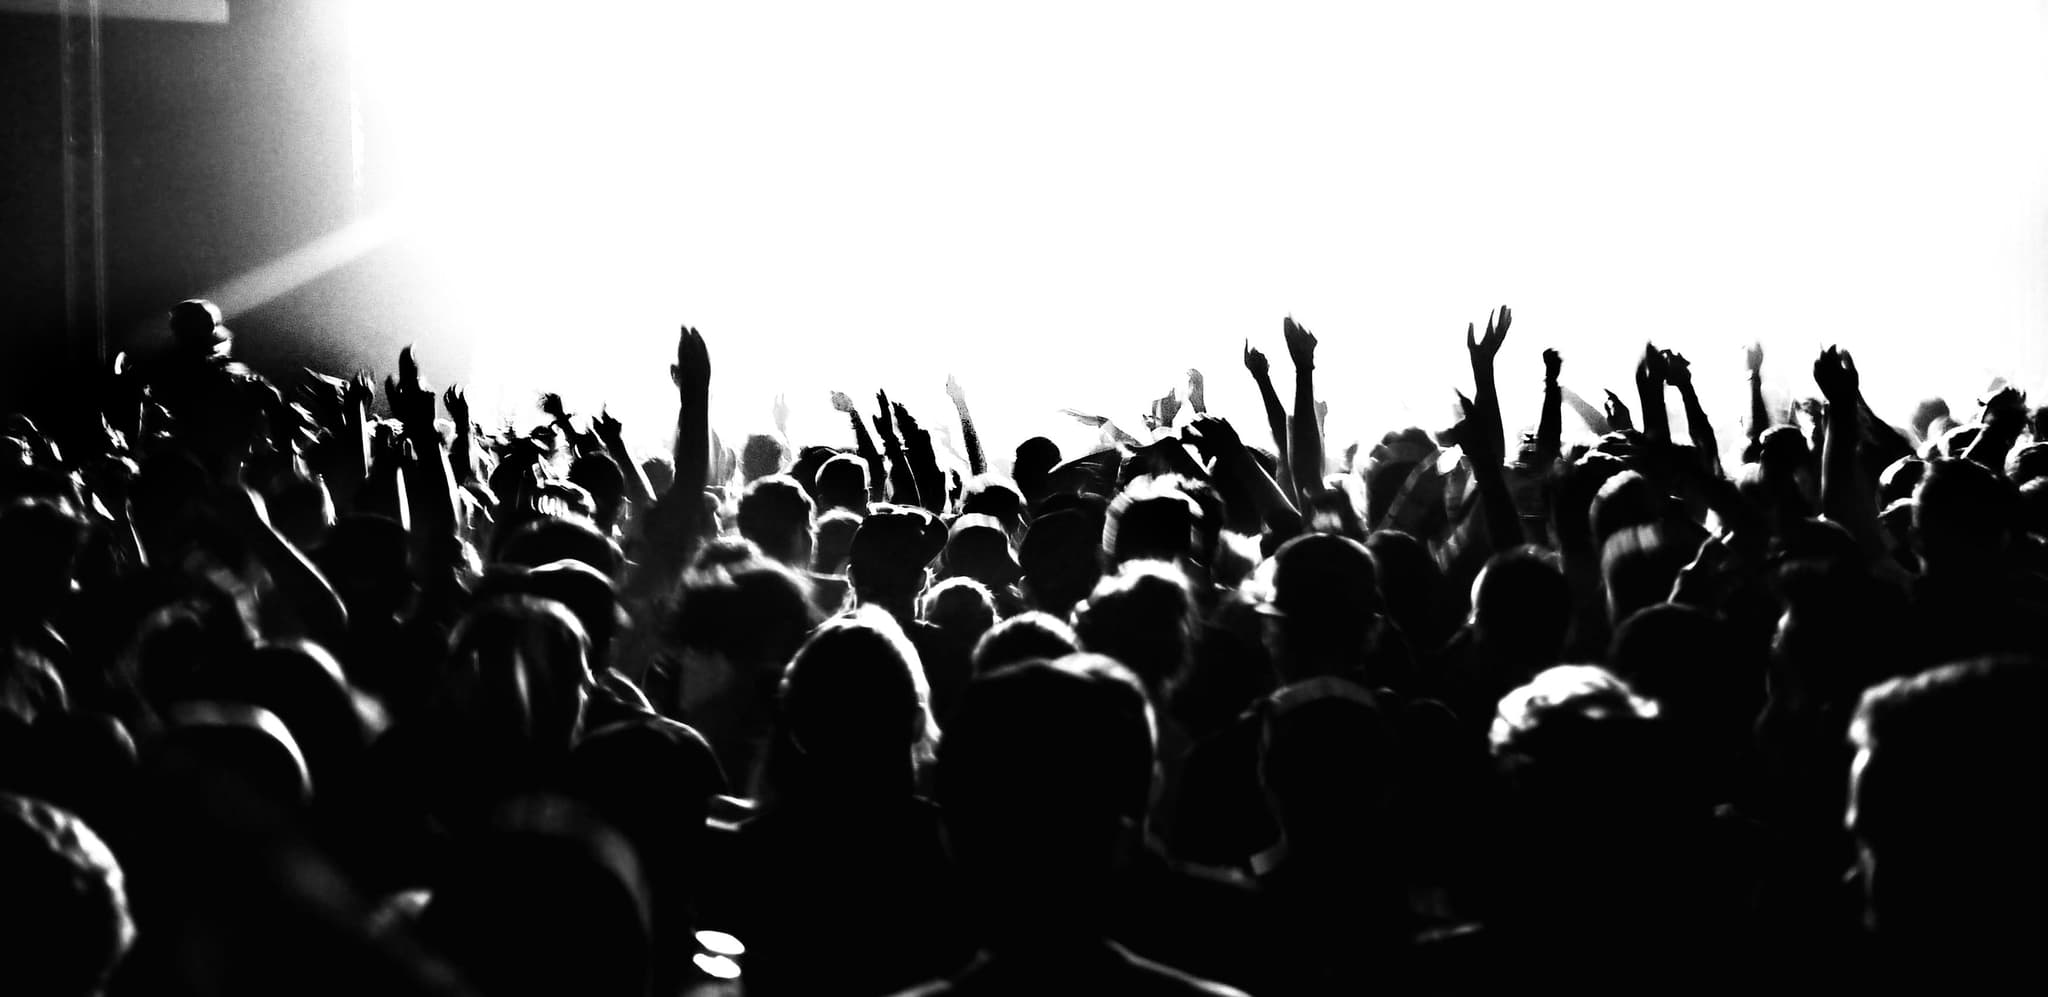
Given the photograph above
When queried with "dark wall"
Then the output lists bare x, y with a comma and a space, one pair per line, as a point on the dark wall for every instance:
227, 145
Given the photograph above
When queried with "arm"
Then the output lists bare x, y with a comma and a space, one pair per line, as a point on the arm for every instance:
1304, 437
2005, 418
902, 478
1276, 416
1485, 445
1595, 421
462, 453
313, 603
1550, 425
1650, 394
1847, 496
1679, 372
429, 481
864, 445
1218, 439
1759, 414
639, 491
924, 462
976, 462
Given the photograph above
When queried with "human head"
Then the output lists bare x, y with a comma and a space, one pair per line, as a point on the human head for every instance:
891, 552
599, 475
1036, 457
996, 496
197, 328
961, 606
1945, 804
835, 541
762, 455
65, 909
775, 513
978, 547
843, 484
1327, 764
519, 672
1024, 637
1325, 606
1962, 515
1144, 617
1038, 810
855, 694
1521, 604
1152, 519
1060, 560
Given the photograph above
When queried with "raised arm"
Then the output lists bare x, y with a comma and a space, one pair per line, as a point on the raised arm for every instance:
1276, 415
639, 492
1759, 413
1679, 372
902, 478
1847, 495
2005, 418
1304, 435
1650, 395
1550, 425
1485, 445
878, 472
313, 602
1218, 440
924, 461
977, 463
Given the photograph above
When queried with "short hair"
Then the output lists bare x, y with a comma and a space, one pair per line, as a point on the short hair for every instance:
1153, 518
1024, 637
1961, 503
762, 455
960, 604
834, 543
775, 513
522, 663
755, 612
843, 483
1521, 596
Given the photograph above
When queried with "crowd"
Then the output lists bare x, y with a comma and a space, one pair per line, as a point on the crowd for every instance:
301, 698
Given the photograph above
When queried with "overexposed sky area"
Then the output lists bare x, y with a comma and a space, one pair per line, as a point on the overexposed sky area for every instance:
1068, 204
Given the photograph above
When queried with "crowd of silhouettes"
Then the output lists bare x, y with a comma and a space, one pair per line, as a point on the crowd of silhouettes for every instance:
312, 692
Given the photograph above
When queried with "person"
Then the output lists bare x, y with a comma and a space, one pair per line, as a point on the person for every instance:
1038, 817
64, 920
838, 882
1945, 806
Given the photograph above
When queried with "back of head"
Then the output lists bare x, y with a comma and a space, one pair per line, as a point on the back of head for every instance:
599, 475
960, 606
1412, 583
761, 456
1060, 562
1522, 605
1625, 500
197, 328
1153, 519
1947, 803
755, 613
1036, 457
1328, 765
1576, 744
520, 671
548, 539
843, 483
995, 496
1962, 513
1024, 637
64, 921
891, 551
835, 541
1326, 598
775, 513
1143, 616
855, 694
1045, 767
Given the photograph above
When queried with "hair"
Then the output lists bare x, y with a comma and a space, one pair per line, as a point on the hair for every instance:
65, 907
761, 456
857, 688
519, 666
1152, 519
834, 543
843, 483
1024, 637
1962, 509
1521, 600
775, 513
960, 605
1144, 617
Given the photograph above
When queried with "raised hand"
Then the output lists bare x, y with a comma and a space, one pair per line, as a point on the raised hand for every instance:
955, 392
458, 407
1255, 361
1553, 362
1165, 409
883, 429
1754, 357
1485, 348
905, 422
1618, 418
1301, 344
2006, 407
692, 369
1835, 372
842, 402
1212, 436
1196, 399
359, 391
551, 404
1650, 369
1676, 369
608, 427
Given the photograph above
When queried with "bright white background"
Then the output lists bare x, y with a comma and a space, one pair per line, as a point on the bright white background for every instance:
1070, 203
